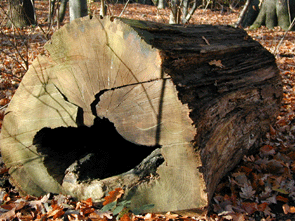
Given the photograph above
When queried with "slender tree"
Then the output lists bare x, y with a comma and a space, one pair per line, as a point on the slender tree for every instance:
188, 12
181, 11
61, 5
103, 8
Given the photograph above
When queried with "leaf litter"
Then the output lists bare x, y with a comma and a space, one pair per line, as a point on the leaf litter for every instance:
261, 187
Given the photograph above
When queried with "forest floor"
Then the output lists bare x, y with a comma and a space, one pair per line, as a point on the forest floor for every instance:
261, 187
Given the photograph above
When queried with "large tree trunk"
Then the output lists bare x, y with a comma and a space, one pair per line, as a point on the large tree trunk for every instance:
188, 101
248, 14
78, 9
271, 13
21, 13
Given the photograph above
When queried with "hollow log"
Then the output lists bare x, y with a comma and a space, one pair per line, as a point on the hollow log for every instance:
161, 111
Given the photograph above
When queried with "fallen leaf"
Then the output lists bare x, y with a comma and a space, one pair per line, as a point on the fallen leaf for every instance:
282, 199
170, 216
88, 202
8, 215
267, 150
247, 170
149, 216
286, 208
56, 213
280, 190
272, 130
262, 207
247, 191
113, 196
101, 214
217, 63
249, 207
125, 217
4, 101
235, 217
86, 211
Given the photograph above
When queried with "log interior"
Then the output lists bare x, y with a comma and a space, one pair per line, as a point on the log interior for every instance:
96, 152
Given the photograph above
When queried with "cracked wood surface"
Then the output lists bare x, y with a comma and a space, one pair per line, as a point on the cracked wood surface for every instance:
205, 94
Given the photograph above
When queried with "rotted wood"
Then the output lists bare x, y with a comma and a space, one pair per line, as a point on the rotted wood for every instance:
189, 101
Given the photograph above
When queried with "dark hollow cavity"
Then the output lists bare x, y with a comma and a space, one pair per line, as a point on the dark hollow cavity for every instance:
99, 150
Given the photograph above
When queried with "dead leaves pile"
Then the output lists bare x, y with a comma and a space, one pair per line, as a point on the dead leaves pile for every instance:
49, 207
60, 207
262, 186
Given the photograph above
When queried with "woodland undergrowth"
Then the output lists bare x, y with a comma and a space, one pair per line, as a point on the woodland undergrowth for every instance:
261, 187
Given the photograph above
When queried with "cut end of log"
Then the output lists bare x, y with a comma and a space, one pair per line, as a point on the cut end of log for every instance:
161, 111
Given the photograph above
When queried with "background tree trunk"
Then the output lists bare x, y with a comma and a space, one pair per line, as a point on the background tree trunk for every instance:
62, 10
103, 8
272, 13
181, 12
78, 9
175, 12
21, 13
248, 14
187, 12
160, 4
188, 101
62, 6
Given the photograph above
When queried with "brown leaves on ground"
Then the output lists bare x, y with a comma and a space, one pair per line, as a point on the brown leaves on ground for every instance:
60, 207
52, 207
261, 187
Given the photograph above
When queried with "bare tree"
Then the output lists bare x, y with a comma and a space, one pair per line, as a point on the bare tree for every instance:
186, 13
181, 11
60, 6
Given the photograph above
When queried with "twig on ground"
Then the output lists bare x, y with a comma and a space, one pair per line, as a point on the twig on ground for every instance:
281, 41
124, 8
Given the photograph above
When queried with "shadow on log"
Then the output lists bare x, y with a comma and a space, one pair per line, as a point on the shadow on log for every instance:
186, 104
99, 150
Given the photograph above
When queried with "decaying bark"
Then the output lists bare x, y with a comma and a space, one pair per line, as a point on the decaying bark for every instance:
201, 96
